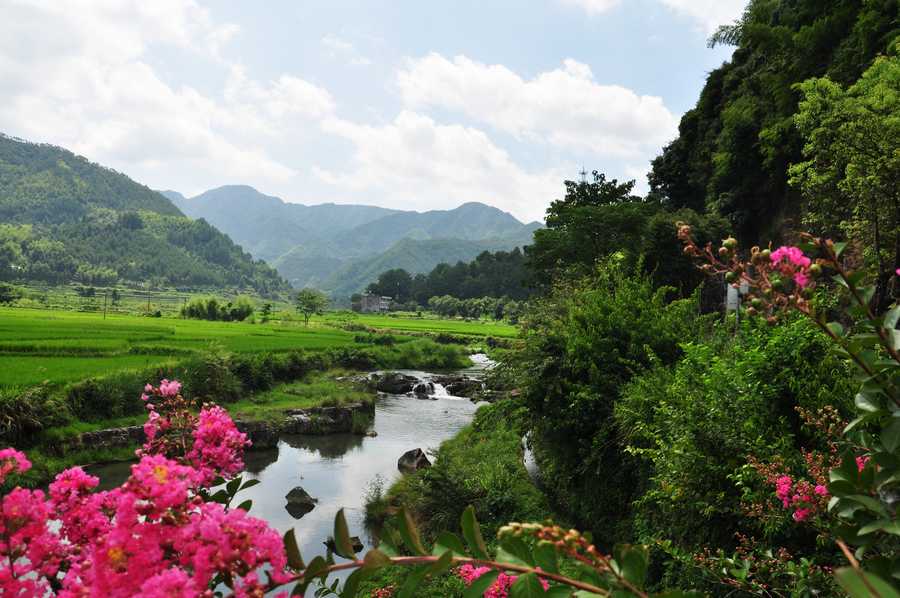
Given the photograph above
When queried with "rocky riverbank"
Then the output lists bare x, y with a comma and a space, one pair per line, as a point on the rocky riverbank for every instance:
264, 434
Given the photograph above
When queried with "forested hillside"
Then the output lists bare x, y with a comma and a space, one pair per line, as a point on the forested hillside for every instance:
342, 248
66, 219
735, 146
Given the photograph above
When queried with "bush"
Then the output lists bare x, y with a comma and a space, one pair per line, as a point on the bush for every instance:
210, 308
694, 424
481, 466
24, 414
582, 345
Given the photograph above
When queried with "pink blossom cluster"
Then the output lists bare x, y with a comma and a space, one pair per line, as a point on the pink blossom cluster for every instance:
791, 262
153, 537
803, 497
499, 589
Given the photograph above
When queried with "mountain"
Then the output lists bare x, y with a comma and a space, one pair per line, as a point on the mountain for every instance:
66, 219
416, 256
268, 227
341, 248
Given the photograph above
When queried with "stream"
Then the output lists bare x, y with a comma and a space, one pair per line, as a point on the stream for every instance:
338, 469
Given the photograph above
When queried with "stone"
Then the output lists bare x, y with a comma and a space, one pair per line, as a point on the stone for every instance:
413, 460
460, 386
395, 383
299, 502
423, 389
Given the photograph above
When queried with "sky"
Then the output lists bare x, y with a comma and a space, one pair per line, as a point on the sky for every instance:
408, 104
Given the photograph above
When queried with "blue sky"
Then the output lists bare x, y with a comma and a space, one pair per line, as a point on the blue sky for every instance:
406, 104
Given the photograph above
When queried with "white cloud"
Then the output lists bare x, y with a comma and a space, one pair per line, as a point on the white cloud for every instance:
593, 7
708, 14
78, 74
421, 164
565, 107
341, 48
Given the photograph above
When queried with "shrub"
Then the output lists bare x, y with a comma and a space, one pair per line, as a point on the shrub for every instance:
694, 425
210, 308
23, 414
582, 344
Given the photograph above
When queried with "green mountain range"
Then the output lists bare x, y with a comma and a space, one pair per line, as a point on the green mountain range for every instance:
66, 219
342, 248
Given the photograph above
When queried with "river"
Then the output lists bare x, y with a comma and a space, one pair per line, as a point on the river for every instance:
338, 469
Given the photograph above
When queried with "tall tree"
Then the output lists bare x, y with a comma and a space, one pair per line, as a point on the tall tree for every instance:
851, 177
310, 302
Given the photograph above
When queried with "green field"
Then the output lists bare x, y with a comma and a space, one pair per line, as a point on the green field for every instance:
413, 323
60, 346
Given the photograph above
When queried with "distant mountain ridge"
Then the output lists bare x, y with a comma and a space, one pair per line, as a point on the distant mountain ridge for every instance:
65, 219
339, 247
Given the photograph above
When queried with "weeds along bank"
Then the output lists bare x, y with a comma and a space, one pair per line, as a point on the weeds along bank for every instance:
46, 415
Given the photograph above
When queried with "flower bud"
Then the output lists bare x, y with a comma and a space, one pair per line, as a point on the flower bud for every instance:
751, 311
723, 252
731, 243
815, 270
765, 254
731, 277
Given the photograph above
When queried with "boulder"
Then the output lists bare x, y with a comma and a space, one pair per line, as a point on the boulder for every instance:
395, 383
423, 389
460, 386
413, 460
299, 502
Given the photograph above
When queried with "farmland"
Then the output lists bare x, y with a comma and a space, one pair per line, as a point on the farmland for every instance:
38, 345
60, 346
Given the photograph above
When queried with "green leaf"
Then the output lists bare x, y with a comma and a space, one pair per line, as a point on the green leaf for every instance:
447, 541
517, 547
839, 248
855, 583
441, 565
890, 435
632, 561
892, 317
250, 484
472, 533
836, 328
545, 557
233, 486
480, 585
527, 586
343, 546
409, 587
317, 567
295, 561
375, 559
246, 505
561, 592
870, 503
866, 402
352, 584
409, 533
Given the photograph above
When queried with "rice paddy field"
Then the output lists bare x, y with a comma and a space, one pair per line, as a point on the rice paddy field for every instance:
60, 346
57, 346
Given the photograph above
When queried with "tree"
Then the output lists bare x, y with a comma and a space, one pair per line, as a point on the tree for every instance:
395, 283
310, 302
851, 178
593, 220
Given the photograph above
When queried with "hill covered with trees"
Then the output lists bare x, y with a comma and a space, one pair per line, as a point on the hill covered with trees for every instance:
67, 219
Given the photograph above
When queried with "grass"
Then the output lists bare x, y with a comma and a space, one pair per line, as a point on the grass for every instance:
317, 389
427, 323
63, 346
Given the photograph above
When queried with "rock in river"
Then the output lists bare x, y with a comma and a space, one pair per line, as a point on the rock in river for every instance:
413, 460
299, 502
394, 383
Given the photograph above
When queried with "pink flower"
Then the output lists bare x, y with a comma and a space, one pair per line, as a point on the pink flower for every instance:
171, 583
821, 490
861, 462
169, 388
161, 484
218, 445
802, 279
783, 487
793, 255
12, 461
802, 514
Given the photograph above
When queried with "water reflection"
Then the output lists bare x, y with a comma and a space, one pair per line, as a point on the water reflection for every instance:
331, 446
